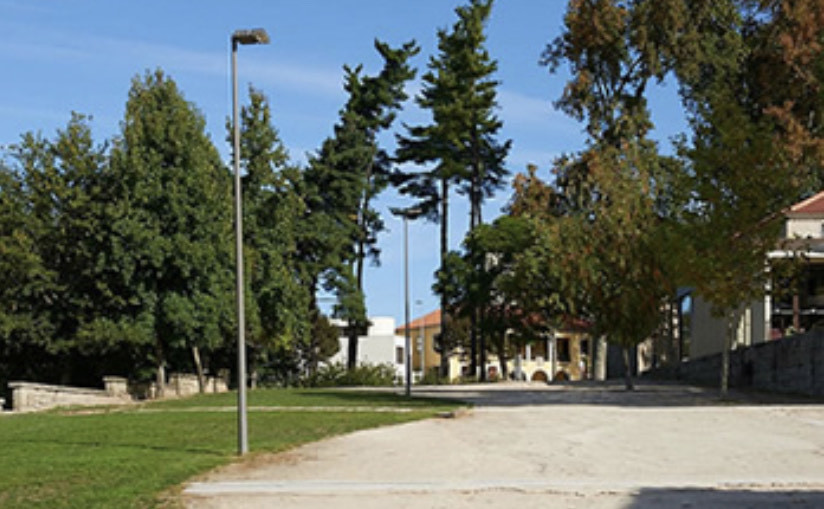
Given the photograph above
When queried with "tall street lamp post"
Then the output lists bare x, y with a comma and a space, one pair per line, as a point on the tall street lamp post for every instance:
406, 214
254, 36
422, 339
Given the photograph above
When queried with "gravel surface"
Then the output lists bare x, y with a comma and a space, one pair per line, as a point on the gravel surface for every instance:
530, 446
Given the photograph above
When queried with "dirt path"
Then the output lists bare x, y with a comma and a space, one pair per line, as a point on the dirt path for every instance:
540, 446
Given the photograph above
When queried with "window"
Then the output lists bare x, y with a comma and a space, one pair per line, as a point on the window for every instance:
563, 350
399, 355
539, 349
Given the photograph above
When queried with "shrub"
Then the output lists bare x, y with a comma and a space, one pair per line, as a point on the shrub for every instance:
432, 377
365, 375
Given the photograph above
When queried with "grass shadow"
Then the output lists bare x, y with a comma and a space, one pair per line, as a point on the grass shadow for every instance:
93, 444
380, 397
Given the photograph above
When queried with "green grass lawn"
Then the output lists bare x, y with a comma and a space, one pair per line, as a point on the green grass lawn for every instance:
126, 458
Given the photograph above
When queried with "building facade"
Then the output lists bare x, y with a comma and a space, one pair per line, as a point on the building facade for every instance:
564, 355
380, 345
798, 307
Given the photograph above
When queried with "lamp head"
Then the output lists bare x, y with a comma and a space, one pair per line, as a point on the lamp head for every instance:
253, 36
409, 213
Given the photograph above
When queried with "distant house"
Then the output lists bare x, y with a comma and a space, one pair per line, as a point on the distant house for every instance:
425, 359
771, 318
380, 345
566, 354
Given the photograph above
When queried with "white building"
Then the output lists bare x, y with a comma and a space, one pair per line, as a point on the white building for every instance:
380, 345
771, 318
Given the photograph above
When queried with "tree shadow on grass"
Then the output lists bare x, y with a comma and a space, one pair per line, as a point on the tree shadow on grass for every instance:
653, 498
382, 397
93, 444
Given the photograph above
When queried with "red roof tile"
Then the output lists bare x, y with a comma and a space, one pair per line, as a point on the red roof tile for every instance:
812, 205
428, 320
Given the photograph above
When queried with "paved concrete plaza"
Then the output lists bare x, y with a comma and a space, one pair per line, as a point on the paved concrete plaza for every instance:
530, 446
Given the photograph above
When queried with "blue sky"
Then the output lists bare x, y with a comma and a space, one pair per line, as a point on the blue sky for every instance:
81, 56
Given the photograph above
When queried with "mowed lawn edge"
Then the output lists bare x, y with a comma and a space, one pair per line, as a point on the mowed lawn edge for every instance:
135, 456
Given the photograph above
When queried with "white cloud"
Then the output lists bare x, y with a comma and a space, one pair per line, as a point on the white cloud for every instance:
60, 47
527, 111
42, 51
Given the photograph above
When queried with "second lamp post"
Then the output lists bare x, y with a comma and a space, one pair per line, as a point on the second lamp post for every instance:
406, 214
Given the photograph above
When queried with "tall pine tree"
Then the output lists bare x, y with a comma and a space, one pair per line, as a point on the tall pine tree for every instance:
461, 142
348, 172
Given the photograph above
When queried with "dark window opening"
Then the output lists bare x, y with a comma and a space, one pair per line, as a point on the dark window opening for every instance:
563, 350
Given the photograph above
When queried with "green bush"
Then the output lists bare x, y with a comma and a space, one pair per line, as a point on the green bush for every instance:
366, 375
432, 377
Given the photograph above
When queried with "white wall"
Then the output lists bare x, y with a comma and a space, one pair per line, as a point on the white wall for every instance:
708, 333
803, 228
377, 347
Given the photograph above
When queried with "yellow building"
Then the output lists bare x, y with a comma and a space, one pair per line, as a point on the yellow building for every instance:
565, 355
425, 359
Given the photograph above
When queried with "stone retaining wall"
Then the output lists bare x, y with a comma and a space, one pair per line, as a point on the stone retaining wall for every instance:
789, 365
29, 396
180, 385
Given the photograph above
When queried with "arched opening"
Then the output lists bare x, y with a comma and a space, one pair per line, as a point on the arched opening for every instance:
540, 376
561, 376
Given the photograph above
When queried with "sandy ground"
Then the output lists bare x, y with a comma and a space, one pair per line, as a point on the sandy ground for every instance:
530, 446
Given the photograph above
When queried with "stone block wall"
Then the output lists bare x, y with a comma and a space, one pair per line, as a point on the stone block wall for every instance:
27, 396
179, 385
788, 365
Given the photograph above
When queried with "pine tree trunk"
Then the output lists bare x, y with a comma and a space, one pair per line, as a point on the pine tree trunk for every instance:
482, 350
352, 347
352, 350
473, 346
445, 339
627, 370
477, 352
201, 377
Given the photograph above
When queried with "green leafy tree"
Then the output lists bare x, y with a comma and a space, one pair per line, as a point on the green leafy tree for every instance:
321, 344
171, 222
483, 277
66, 197
503, 300
613, 264
26, 286
752, 90
277, 301
461, 141
749, 74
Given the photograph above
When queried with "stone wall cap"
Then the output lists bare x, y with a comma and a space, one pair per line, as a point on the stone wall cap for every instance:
56, 388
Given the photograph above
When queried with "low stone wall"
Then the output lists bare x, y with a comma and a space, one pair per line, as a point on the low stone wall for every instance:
790, 365
28, 396
179, 385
